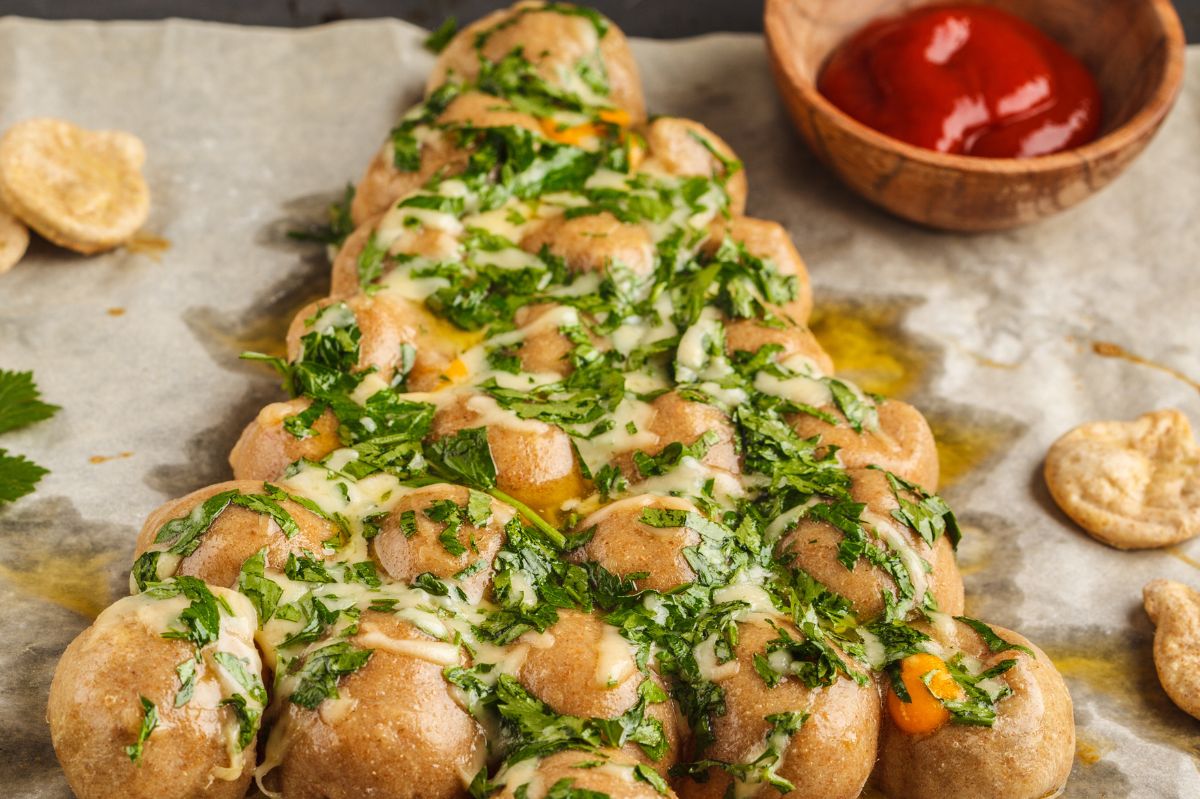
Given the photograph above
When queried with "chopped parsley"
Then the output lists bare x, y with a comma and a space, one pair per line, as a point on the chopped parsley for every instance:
148, 725
437, 40
321, 669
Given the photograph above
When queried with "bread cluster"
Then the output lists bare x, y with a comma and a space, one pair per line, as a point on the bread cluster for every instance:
566, 502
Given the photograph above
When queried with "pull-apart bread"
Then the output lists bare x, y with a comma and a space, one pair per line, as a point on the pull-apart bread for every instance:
566, 502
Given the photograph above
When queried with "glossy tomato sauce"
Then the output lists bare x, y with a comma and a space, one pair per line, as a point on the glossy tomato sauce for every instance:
971, 80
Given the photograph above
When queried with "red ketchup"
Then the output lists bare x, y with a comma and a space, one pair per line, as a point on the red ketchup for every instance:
964, 79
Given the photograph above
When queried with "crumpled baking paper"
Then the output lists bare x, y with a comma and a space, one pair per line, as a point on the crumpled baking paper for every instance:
251, 132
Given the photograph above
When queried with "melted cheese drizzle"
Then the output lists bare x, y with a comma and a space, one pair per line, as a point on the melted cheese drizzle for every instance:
700, 362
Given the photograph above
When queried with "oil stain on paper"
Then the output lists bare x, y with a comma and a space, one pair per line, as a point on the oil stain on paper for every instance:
869, 344
59, 570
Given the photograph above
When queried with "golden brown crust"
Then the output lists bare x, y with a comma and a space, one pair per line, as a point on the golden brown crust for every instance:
404, 557
902, 444
624, 545
678, 420
543, 349
479, 110
95, 711
552, 42
832, 754
749, 335
402, 735
1026, 754
1131, 485
343, 279
570, 676
237, 533
265, 449
596, 243
815, 547
769, 241
535, 462
676, 146
382, 183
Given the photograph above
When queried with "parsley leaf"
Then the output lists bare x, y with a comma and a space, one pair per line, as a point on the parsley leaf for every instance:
149, 722
187, 681
450, 514
201, 619
20, 401
307, 568
930, 516
994, 642
322, 669
436, 41
238, 669
18, 476
263, 592
464, 457
248, 718
859, 411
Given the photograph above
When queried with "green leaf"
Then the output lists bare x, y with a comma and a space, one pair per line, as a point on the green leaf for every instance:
436, 41
20, 401
187, 681
930, 516
565, 789
370, 260
479, 508
464, 457
322, 669
362, 572
408, 523
260, 503
977, 708
859, 412
263, 592
307, 568
994, 642
845, 515
149, 722
648, 775
238, 669
184, 532
18, 476
430, 584
201, 619
248, 718
315, 615
145, 569
671, 455
450, 514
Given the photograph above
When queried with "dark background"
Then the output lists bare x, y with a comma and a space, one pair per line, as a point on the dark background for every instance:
664, 19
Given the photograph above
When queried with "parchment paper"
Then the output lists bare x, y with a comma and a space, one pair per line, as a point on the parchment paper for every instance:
250, 132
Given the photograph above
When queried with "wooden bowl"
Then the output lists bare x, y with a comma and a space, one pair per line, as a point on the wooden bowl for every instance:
1134, 48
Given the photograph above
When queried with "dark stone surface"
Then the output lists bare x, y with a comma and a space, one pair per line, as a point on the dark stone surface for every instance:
665, 19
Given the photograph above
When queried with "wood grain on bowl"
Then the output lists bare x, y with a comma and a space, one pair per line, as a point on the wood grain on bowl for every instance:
1134, 48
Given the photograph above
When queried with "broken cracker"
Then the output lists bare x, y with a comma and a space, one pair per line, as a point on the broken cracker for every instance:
1174, 608
14, 240
1132, 485
80, 189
